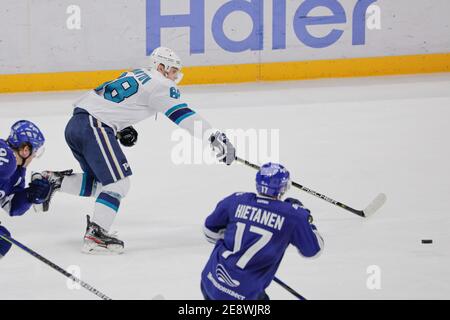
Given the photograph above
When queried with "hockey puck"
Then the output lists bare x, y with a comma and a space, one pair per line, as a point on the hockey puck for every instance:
427, 241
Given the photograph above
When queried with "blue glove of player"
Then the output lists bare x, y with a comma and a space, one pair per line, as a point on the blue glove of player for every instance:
38, 191
4, 245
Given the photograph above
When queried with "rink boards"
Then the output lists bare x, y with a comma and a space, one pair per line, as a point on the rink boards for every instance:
219, 41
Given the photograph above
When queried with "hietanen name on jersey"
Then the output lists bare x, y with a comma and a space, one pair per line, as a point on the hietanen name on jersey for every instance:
261, 216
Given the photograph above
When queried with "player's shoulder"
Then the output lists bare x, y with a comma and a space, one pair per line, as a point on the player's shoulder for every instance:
295, 209
142, 76
163, 87
160, 80
240, 196
7, 161
4, 144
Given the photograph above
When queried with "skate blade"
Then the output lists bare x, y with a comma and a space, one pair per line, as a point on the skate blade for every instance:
90, 247
38, 207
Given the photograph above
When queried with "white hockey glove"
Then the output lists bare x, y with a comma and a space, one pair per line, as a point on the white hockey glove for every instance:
225, 150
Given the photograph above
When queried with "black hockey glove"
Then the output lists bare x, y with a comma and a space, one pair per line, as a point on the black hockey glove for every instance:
38, 191
225, 150
128, 136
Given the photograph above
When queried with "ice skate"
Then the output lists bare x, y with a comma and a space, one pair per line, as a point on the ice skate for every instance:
98, 241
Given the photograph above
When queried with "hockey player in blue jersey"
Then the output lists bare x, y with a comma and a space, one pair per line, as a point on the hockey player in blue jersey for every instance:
7, 167
106, 114
16, 153
4, 245
251, 233
24, 143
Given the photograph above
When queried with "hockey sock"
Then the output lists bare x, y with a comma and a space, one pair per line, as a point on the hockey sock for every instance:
105, 211
80, 184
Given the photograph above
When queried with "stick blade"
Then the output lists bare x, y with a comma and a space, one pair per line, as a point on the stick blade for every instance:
376, 204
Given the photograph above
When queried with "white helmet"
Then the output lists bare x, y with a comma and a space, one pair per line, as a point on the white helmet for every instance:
168, 58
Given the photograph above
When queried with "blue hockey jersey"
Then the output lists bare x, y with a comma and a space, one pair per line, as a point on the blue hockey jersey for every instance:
13, 198
251, 235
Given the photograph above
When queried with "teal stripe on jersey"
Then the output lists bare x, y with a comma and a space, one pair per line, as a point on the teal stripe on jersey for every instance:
184, 117
106, 203
175, 108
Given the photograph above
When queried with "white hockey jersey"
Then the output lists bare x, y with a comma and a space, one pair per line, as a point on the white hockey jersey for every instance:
137, 95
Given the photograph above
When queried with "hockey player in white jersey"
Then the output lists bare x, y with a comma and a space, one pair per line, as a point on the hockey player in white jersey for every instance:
106, 114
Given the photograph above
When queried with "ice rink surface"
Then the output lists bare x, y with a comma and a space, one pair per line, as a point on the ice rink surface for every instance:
347, 138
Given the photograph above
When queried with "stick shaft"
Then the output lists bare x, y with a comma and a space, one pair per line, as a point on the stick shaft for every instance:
310, 191
292, 291
54, 266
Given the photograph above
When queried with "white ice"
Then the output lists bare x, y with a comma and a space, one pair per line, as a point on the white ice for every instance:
347, 138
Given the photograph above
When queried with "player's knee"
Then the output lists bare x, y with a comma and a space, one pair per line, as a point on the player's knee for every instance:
118, 189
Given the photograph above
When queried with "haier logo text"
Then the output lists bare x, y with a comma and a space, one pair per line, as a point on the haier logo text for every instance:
195, 21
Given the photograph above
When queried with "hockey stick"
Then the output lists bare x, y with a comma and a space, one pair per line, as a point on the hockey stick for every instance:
367, 212
285, 286
54, 266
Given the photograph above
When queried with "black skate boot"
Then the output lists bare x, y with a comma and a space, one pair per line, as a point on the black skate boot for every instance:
55, 178
97, 240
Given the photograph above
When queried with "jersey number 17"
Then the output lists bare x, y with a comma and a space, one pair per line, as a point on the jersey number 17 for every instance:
252, 250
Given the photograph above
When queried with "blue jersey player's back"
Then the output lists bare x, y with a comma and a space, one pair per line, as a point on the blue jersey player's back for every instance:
251, 233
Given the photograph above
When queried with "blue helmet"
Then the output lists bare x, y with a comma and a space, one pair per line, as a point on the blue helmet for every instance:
272, 180
8, 162
24, 131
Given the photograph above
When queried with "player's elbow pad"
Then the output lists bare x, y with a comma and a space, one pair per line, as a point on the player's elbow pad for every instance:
18, 205
212, 236
17, 212
315, 250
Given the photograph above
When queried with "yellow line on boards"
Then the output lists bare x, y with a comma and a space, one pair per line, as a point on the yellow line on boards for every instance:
273, 71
